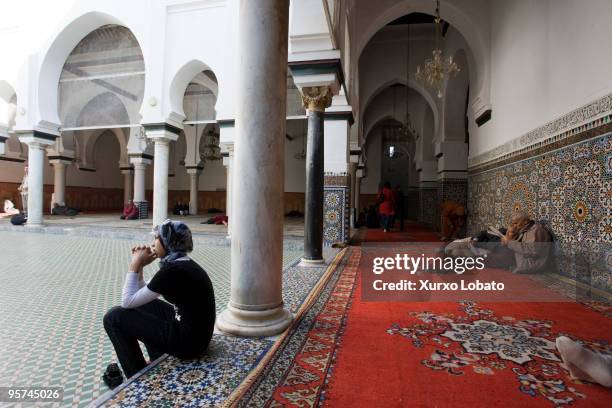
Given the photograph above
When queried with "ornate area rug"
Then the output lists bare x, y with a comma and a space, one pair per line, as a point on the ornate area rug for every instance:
294, 373
428, 354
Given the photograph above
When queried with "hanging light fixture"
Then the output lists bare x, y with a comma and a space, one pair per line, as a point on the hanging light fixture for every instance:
437, 69
211, 149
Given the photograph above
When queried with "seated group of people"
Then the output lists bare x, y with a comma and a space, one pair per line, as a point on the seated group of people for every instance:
180, 209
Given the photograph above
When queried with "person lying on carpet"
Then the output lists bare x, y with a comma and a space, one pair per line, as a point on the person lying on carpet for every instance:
64, 210
217, 220
584, 364
183, 324
527, 239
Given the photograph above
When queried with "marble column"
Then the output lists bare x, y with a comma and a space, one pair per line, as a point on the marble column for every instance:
140, 168
315, 99
59, 181
228, 163
358, 177
194, 176
128, 185
352, 167
162, 135
256, 302
37, 143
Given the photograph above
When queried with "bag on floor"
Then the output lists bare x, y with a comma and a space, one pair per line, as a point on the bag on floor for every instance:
18, 219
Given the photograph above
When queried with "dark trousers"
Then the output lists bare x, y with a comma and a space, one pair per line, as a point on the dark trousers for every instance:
386, 221
151, 323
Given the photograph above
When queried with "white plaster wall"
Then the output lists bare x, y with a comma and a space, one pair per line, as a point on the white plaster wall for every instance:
548, 57
336, 146
295, 170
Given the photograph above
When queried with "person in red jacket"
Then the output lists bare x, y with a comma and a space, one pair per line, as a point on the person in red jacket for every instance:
130, 211
386, 207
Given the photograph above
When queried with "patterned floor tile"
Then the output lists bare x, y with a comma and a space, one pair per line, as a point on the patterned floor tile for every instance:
55, 290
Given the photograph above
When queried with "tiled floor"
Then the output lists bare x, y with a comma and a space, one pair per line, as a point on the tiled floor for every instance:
55, 290
292, 226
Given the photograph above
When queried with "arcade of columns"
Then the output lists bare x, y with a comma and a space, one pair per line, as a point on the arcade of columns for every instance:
255, 170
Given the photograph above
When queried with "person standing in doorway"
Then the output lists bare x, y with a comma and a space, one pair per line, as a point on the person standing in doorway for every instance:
23, 189
386, 207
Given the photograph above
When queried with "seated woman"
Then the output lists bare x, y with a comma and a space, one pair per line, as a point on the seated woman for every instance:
9, 209
130, 211
182, 325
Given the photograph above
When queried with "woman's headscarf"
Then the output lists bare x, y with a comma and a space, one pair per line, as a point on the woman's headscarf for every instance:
175, 236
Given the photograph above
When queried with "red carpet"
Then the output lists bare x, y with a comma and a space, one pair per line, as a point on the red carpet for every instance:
342, 351
449, 354
413, 232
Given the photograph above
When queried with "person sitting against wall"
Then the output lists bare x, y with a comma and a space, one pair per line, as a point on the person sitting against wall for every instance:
452, 219
9, 209
130, 211
180, 208
529, 241
183, 324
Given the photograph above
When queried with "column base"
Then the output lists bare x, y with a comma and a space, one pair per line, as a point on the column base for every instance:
311, 263
254, 323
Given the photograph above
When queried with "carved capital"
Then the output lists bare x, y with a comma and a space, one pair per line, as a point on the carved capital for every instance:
316, 98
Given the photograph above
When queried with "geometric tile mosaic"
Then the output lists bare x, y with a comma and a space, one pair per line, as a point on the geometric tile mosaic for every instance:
570, 190
336, 214
55, 290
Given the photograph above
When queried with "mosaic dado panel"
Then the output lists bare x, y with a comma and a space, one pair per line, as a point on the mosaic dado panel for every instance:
428, 206
570, 189
336, 211
452, 190
593, 115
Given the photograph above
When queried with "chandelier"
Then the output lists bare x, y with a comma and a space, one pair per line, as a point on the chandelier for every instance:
437, 69
211, 149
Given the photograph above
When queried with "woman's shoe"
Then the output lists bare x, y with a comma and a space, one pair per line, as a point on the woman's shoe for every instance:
112, 376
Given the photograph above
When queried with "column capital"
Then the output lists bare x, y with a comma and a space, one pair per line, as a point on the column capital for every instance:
36, 139
161, 132
59, 161
316, 98
194, 170
141, 160
3, 132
